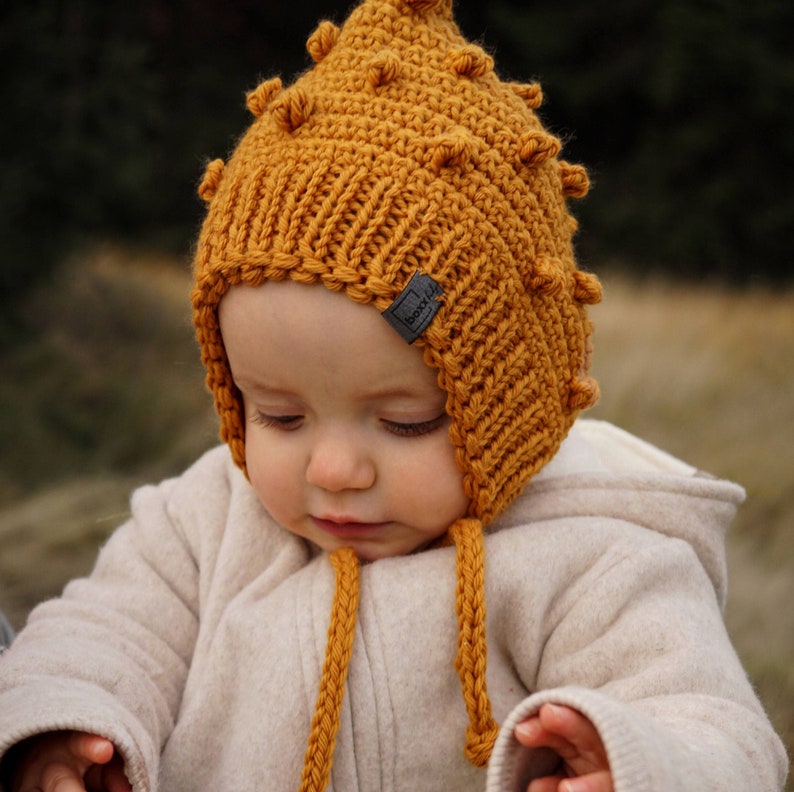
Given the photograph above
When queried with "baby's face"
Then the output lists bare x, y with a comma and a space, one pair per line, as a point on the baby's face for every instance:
346, 438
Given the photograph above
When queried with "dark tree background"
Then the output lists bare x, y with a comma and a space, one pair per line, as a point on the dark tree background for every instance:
682, 111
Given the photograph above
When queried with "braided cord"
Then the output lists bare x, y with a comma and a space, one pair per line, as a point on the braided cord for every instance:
338, 651
471, 659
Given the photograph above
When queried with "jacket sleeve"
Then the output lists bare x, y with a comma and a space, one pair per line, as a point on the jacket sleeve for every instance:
638, 645
111, 655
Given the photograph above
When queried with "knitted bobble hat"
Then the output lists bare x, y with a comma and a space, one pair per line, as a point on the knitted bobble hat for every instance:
401, 171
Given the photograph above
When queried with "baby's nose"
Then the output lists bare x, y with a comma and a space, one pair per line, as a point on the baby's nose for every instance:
340, 461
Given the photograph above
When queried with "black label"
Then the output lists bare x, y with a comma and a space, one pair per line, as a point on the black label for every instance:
415, 308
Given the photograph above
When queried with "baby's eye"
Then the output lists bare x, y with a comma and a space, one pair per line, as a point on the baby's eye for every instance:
283, 422
415, 428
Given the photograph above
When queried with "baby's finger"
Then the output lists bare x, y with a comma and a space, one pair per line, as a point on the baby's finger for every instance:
60, 777
119, 784
107, 777
531, 733
91, 747
113, 776
592, 782
545, 784
576, 733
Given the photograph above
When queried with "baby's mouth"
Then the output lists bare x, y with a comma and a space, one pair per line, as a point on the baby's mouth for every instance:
346, 528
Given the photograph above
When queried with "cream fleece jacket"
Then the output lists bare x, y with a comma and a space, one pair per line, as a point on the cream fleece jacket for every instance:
197, 642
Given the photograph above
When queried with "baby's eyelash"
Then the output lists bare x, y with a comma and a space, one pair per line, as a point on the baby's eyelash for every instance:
285, 422
415, 429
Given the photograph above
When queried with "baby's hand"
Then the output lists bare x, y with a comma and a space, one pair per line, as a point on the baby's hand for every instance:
574, 739
68, 761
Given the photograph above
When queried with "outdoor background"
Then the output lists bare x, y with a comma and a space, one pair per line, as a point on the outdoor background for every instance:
682, 112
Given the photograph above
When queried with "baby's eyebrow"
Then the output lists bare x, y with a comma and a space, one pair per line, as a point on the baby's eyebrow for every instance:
262, 388
397, 393
400, 391
420, 392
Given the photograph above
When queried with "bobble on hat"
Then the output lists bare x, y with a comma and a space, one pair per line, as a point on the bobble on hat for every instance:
471, 61
584, 394
587, 288
292, 108
212, 178
549, 277
424, 6
452, 149
530, 93
537, 147
384, 67
322, 41
258, 100
575, 182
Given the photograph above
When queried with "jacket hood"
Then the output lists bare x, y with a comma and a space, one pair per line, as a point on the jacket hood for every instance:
601, 470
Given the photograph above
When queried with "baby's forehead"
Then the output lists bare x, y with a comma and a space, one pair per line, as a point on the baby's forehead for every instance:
281, 333
290, 305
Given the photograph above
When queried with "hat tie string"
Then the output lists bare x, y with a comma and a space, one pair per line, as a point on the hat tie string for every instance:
338, 651
471, 659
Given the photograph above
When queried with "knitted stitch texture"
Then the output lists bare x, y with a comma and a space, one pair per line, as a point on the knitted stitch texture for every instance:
400, 152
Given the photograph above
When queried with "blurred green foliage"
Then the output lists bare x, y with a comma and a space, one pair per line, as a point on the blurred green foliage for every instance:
683, 112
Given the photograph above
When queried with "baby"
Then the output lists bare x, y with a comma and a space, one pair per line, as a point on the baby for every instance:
395, 334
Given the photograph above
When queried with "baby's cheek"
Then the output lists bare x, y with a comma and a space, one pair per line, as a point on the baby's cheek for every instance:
438, 488
272, 477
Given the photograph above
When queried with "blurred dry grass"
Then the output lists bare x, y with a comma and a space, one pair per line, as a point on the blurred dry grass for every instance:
111, 395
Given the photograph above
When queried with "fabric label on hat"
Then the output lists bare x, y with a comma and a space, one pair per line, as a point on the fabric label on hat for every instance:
415, 307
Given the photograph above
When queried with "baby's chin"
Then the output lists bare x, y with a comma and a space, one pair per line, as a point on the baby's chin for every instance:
377, 545
370, 553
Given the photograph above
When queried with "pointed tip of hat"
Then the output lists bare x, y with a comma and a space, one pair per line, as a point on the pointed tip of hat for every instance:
425, 6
